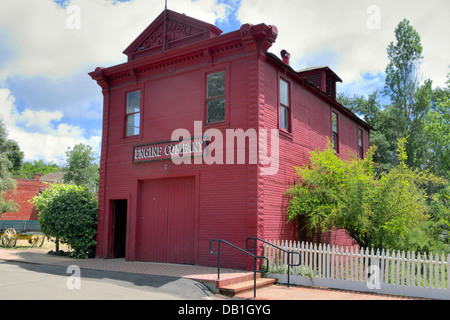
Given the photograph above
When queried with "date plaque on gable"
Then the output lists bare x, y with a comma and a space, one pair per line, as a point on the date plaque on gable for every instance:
170, 30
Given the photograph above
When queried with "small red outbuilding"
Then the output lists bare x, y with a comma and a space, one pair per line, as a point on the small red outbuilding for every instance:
201, 133
22, 195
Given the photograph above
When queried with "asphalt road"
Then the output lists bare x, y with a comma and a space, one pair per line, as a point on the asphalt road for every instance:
22, 281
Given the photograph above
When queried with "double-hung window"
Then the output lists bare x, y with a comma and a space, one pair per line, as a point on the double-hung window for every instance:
284, 105
215, 97
133, 113
360, 144
335, 130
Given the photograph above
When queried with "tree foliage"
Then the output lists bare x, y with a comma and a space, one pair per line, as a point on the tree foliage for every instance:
437, 133
28, 169
402, 72
6, 181
375, 211
81, 167
416, 110
69, 213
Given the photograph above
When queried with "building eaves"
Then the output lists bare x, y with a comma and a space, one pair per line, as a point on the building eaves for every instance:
317, 91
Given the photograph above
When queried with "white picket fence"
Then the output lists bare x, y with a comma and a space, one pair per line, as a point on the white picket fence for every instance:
395, 272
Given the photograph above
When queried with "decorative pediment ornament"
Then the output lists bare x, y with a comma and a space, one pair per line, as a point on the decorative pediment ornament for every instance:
170, 30
258, 39
98, 76
174, 31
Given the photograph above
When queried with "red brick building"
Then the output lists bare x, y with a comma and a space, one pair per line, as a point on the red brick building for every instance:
182, 73
24, 192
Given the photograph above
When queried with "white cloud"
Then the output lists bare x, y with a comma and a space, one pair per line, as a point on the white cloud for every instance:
38, 119
46, 65
43, 54
341, 27
46, 45
41, 135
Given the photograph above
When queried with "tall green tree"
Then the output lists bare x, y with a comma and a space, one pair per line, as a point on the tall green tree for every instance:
382, 120
82, 167
416, 111
14, 154
402, 86
6, 181
402, 73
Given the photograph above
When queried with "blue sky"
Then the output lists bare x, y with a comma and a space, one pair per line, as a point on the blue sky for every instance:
47, 48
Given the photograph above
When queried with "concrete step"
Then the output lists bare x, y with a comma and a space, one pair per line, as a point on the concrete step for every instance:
236, 279
247, 285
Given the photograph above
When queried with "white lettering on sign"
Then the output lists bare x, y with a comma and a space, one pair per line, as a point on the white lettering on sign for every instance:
167, 150
150, 152
174, 30
241, 147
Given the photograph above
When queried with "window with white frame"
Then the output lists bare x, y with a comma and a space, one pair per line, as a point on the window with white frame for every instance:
284, 105
133, 113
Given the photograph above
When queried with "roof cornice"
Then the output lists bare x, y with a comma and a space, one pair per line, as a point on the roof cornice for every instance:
316, 91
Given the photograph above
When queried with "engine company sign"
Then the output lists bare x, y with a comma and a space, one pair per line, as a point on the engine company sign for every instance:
169, 149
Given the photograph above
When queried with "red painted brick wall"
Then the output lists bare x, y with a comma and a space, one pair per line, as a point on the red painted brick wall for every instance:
225, 191
233, 202
25, 191
311, 125
336, 237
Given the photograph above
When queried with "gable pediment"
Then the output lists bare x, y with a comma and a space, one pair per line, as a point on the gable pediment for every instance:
170, 30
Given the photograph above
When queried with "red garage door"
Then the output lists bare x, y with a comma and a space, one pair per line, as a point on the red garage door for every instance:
167, 221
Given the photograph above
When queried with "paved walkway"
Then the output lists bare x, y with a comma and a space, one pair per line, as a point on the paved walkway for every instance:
206, 275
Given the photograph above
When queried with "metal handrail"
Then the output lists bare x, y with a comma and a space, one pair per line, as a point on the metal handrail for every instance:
279, 248
254, 256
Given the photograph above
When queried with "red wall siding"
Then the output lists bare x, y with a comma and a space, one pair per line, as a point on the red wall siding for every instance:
223, 189
311, 125
25, 191
167, 221
232, 202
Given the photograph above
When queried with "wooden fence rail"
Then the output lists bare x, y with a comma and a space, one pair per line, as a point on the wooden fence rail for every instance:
363, 269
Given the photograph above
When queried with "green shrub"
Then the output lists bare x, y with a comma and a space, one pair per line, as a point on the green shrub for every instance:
69, 213
378, 212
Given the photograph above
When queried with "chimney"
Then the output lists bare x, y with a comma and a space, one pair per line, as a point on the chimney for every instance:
286, 56
37, 176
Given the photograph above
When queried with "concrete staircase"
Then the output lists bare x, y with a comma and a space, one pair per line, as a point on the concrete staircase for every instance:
232, 287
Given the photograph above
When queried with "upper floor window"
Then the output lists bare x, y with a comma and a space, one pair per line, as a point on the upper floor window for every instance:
335, 129
360, 144
284, 105
216, 97
133, 113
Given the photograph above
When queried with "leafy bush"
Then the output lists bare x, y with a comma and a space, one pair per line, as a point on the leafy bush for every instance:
69, 213
377, 212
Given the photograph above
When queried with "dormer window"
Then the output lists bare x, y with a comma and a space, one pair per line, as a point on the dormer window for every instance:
323, 78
